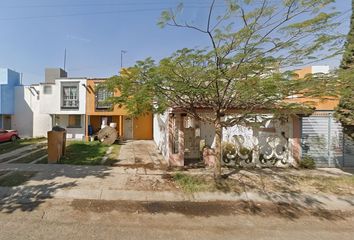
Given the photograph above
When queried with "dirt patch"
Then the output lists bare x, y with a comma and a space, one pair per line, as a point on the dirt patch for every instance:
149, 183
208, 209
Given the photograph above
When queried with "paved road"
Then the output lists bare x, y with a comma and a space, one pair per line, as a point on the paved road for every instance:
83, 219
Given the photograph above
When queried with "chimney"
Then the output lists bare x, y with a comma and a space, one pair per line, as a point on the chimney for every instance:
51, 74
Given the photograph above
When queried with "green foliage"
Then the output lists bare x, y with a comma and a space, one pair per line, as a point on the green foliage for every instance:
345, 110
190, 183
307, 162
240, 69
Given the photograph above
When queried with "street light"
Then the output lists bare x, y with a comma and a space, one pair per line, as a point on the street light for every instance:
121, 57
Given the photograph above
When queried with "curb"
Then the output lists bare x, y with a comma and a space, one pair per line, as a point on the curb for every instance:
330, 202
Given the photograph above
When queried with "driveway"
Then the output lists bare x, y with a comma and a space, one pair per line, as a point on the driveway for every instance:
140, 154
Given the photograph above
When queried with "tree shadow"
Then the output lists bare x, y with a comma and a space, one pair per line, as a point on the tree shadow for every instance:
28, 198
289, 201
44, 184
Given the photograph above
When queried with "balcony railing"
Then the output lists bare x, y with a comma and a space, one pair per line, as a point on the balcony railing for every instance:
70, 104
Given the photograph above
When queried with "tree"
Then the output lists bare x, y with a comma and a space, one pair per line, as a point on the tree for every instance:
250, 41
345, 110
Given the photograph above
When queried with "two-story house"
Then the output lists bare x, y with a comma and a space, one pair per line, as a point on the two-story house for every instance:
28, 120
9, 79
64, 99
99, 113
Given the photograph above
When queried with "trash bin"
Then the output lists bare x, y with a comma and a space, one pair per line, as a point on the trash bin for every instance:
56, 144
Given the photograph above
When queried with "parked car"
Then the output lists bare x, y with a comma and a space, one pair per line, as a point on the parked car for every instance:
8, 135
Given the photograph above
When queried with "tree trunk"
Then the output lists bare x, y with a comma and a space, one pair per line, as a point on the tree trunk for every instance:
218, 149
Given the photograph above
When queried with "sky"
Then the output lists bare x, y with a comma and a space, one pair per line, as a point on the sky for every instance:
35, 33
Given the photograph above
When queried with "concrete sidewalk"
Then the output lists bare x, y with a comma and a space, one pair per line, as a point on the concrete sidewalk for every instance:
120, 183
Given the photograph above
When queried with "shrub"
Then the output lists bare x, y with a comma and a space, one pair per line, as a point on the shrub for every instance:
228, 148
307, 162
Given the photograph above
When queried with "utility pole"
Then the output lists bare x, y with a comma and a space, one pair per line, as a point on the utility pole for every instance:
121, 57
64, 59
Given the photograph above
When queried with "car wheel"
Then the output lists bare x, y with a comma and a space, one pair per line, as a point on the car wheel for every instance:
13, 138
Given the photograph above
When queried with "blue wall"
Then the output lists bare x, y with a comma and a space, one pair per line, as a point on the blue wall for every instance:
8, 80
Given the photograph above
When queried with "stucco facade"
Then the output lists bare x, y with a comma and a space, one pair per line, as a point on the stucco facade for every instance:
61, 108
180, 138
28, 120
99, 112
9, 79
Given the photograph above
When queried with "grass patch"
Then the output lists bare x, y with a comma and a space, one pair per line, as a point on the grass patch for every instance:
31, 157
335, 185
260, 181
3, 173
16, 178
84, 153
9, 146
22, 153
190, 183
43, 161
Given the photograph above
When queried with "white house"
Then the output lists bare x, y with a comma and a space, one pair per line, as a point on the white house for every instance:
64, 100
180, 138
28, 120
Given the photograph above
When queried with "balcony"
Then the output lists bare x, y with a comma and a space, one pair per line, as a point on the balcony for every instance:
70, 104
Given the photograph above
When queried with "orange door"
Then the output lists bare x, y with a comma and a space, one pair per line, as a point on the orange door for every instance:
143, 127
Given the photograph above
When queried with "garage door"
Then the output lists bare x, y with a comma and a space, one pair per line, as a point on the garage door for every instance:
142, 127
348, 152
322, 139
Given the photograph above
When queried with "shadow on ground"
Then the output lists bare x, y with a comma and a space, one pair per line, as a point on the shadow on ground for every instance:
210, 209
26, 196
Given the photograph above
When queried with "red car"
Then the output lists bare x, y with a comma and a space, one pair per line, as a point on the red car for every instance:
8, 135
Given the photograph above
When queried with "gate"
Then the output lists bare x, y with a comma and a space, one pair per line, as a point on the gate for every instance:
348, 152
322, 139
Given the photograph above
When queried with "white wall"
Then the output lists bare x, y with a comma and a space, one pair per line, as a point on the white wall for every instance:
320, 69
51, 103
160, 132
71, 133
27, 120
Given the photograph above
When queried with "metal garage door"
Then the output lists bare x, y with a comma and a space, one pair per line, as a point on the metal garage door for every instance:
322, 139
348, 152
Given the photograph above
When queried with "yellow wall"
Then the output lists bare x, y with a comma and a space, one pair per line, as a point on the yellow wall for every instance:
90, 101
302, 72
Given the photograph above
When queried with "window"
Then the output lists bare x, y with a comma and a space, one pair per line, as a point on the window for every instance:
47, 89
74, 121
70, 96
102, 95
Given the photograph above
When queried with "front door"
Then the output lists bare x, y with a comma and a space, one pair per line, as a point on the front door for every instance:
128, 128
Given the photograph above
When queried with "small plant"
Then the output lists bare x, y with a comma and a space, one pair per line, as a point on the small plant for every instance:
189, 183
228, 149
307, 162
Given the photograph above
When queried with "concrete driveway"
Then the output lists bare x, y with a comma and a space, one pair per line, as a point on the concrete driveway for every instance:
140, 153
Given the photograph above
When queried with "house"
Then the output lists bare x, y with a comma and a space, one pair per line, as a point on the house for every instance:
64, 100
181, 138
28, 120
100, 113
9, 79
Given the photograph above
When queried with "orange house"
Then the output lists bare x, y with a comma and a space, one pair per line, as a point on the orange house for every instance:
325, 103
100, 113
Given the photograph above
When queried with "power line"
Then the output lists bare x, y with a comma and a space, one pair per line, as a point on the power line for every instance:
192, 4
93, 13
